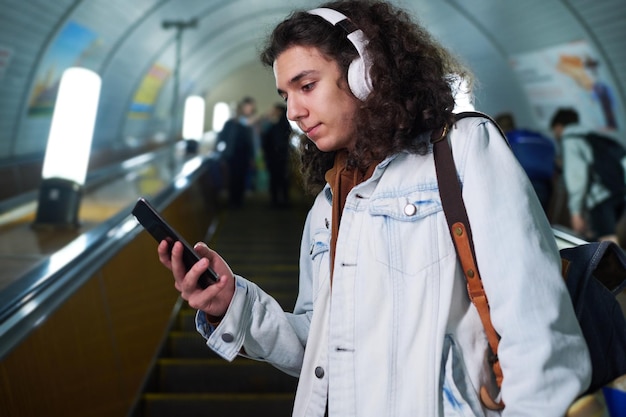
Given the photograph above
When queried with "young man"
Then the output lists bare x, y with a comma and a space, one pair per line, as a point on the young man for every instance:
383, 325
593, 176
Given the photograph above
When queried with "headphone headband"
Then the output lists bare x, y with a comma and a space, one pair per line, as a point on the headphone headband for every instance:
331, 16
359, 72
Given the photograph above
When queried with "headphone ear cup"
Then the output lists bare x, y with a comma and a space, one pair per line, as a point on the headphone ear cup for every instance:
359, 71
359, 79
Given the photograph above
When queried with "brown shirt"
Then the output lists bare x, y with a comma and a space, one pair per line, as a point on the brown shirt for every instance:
342, 179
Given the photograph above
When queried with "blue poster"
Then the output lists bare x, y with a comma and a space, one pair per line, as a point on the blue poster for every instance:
74, 46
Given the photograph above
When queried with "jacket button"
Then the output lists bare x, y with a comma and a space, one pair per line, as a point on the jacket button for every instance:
410, 209
227, 337
319, 372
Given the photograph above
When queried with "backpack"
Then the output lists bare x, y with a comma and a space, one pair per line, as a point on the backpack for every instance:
606, 168
594, 274
534, 152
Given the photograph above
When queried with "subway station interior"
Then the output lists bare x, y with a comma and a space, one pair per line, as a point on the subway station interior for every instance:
90, 322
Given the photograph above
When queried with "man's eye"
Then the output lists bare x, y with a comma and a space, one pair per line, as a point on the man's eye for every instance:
308, 87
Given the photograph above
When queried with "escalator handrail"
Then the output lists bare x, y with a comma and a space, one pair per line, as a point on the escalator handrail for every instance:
32, 298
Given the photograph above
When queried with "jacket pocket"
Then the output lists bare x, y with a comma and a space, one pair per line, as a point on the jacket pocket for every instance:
460, 399
412, 231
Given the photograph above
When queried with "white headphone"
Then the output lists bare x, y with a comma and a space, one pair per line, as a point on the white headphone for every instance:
359, 79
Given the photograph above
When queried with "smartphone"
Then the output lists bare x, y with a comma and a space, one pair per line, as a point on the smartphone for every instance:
156, 225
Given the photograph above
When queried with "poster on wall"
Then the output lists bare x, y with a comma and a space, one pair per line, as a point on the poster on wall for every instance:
571, 75
148, 91
74, 46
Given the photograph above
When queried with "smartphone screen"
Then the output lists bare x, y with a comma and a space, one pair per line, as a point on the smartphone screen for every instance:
156, 225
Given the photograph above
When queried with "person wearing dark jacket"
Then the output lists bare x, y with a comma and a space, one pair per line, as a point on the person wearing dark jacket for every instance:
237, 138
275, 143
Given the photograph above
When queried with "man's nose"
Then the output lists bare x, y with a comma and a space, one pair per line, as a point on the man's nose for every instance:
295, 109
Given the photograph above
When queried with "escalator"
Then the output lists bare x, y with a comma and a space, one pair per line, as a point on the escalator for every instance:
188, 379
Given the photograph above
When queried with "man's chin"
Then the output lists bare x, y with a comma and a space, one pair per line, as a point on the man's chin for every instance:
325, 146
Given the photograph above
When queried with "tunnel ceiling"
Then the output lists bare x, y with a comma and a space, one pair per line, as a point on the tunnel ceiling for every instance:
228, 33
129, 41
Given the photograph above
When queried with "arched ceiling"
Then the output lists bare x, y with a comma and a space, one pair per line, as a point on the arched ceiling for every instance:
130, 41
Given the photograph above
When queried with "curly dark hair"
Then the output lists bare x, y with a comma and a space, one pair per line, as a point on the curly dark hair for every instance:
411, 78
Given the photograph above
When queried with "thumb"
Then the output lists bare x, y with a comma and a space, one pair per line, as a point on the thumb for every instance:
202, 249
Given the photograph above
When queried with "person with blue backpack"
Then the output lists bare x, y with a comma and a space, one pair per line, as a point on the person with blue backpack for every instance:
593, 166
535, 152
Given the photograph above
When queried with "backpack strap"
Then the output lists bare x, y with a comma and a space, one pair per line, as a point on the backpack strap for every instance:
464, 114
459, 227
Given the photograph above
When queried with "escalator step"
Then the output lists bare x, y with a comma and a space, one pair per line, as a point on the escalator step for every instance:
218, 375
187, 345
217, 405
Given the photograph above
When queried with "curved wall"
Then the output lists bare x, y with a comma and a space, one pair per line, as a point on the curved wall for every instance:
136, 56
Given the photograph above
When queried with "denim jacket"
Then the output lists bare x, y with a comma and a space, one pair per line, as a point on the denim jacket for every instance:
397, 334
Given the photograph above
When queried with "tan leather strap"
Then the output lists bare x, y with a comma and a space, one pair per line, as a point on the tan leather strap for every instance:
564, 267
475, 287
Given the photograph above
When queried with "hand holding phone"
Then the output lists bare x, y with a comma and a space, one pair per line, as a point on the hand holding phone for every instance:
156, 225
